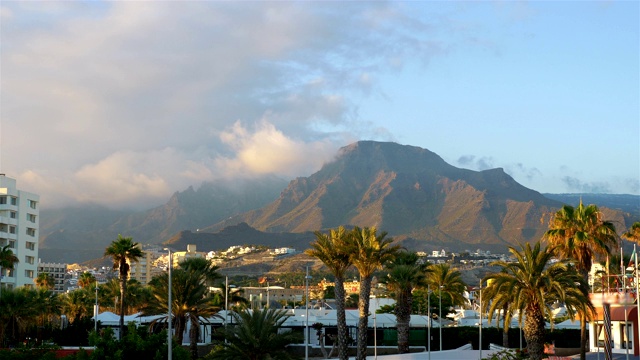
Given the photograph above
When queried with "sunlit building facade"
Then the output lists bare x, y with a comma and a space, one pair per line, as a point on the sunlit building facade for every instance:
19, 229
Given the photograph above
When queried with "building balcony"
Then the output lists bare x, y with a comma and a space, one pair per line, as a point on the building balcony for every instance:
8, 221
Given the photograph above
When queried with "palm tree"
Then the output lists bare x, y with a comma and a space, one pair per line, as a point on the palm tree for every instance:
579, 234
448, 281
191, 301
332, 250
531, 284
46, 306
7, 260
405, 274
122, 251
501, 302
255, 337
450, 286
45, 281
78, 304
86, 279
208, 270
16, 313
369, 251
633, 234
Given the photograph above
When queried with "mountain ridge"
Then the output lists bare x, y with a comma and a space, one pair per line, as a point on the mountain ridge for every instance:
407, 191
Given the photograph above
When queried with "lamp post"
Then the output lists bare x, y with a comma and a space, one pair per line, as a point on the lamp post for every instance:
429, 325
95, 311
480, 309
169, 315
306, 316
375, 330
440, 315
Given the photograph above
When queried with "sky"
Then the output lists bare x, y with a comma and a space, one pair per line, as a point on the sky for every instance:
124, 103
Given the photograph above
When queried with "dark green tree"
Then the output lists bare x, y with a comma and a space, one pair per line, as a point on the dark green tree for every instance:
255, 337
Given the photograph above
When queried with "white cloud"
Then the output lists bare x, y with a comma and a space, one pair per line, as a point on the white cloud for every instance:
269, 151
131, 101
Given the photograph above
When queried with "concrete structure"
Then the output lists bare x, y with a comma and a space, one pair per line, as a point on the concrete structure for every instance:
144, 269
57, 271
180, 256
622, 324
19, 228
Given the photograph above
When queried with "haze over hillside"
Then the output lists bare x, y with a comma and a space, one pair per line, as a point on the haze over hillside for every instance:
410, 192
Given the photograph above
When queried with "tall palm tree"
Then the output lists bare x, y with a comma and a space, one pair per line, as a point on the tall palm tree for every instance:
191, 302
405, 274
531, 284
369, 251
7, 260
332, 250
122, 251
633, 234
45, 281
86, 279
255, 337
579, 234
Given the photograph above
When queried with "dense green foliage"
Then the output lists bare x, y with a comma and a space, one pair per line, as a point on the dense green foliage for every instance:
255, 336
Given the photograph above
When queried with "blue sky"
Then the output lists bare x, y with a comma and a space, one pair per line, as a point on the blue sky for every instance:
124, 103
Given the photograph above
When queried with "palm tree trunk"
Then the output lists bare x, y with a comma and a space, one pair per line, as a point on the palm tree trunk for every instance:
343, 339
583, 321
505, 327
403, 318
123, 289
194, 335
363, 320
534, 333
179, 329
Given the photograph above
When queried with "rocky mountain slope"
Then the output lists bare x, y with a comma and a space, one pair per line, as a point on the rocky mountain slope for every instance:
410, 192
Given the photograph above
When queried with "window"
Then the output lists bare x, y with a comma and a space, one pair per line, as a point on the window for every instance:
12, 229
31, 218
3, 200
32, 204
9, 272
12, 244
14, 200
29, 259
31, 231
30, 245
28, 273
13, 214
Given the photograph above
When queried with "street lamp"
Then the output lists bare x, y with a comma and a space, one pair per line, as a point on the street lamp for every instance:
429, 316
306, 316
169, 317
480, 331
440, 315
375, 330
95, 311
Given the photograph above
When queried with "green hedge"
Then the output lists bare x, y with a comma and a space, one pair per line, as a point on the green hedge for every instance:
455, 337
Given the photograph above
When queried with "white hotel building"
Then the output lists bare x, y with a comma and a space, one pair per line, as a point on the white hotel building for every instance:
19, 220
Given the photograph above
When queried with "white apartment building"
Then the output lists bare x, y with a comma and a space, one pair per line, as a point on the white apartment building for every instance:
19, 224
